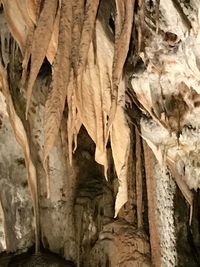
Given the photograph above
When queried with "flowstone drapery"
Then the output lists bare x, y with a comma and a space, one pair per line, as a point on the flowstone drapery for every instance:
103, 98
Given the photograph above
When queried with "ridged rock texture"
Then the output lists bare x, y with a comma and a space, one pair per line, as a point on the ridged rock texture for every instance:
99, 132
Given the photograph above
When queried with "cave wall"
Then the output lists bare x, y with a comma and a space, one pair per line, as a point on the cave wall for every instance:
77, 220
97, 237
16, 206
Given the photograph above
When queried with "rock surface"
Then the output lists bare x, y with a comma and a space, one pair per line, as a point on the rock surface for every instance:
16, 214
120, 244
77, 220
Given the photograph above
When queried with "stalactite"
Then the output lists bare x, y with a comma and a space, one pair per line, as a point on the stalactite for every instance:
128, 212
151, 196
141, 4
80, 75
123, 29
26, 48
39, 44
55, 103
139, 183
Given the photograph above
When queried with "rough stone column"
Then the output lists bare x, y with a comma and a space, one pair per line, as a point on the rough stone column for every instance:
165, 190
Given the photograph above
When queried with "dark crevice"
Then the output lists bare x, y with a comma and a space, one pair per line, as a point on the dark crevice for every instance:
1, 8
